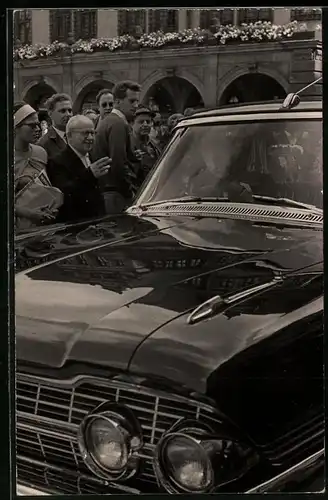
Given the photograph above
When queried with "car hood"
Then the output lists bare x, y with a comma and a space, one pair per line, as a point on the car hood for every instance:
121, 301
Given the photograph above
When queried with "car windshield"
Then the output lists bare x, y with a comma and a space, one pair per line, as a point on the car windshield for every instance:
278, 158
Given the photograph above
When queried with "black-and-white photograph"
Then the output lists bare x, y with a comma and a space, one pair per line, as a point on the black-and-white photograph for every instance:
168, 212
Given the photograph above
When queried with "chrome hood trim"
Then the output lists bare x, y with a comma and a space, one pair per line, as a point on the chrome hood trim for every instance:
274, 483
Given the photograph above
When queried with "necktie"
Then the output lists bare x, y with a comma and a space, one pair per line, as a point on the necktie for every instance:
87, 160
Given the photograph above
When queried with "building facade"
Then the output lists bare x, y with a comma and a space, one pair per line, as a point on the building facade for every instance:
173, 78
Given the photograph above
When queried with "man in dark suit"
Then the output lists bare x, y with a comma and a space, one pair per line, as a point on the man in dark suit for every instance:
113, 140
73, 173
59, 108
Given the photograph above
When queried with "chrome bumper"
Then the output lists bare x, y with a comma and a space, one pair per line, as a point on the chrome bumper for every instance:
25, 491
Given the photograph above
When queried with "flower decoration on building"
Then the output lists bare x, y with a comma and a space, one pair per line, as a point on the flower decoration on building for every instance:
254, 32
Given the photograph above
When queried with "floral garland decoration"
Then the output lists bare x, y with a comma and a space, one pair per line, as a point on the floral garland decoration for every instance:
254, 32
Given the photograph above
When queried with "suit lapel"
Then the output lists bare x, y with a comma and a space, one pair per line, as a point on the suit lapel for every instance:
61, 144
72, 161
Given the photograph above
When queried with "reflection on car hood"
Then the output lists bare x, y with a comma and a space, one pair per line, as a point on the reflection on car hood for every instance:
121, 299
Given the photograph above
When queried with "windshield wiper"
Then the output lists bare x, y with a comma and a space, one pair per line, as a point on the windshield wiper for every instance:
200, 199
183, 199
286, 202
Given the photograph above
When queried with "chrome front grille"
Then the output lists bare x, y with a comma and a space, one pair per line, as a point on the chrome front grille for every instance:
59, 481
49, 413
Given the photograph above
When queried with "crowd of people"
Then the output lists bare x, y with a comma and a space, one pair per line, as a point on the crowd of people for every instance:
72, 167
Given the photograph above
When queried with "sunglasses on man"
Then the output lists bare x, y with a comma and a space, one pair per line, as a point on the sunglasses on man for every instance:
107, 105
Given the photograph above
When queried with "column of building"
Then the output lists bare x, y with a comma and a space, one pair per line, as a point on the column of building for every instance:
40, 26
107, 23
281, 16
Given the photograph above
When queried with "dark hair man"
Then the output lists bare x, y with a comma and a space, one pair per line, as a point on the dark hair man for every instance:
145, 148
59, 108
113, 140
105, 103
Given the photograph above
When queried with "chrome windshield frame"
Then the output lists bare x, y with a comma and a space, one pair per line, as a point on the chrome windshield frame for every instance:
236, 119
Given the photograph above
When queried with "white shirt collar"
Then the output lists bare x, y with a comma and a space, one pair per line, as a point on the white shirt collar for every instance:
84, 158
120, 114
60, 133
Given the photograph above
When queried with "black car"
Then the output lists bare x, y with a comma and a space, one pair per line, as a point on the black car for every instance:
178, 347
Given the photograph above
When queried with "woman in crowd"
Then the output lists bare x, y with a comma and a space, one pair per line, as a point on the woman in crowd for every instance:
36, 201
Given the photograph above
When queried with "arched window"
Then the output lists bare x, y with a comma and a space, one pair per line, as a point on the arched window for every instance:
212, 18
23, 26
85, 24
306, 15
254, 15
163, 19
81, 23
132, 22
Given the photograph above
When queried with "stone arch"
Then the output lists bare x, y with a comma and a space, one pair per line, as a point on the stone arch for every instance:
179, 88
237, 73
85, 80
87, 89
160, 74
37, 91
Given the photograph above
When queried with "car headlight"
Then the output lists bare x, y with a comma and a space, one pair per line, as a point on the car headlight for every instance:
108, 443
186, 463
195, 461
108, 439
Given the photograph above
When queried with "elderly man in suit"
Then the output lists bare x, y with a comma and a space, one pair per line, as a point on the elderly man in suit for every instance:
59, 108
113, 139
76, 176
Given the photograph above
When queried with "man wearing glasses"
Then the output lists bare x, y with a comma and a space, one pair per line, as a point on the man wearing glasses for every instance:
105, 103
113, 139
76, 176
